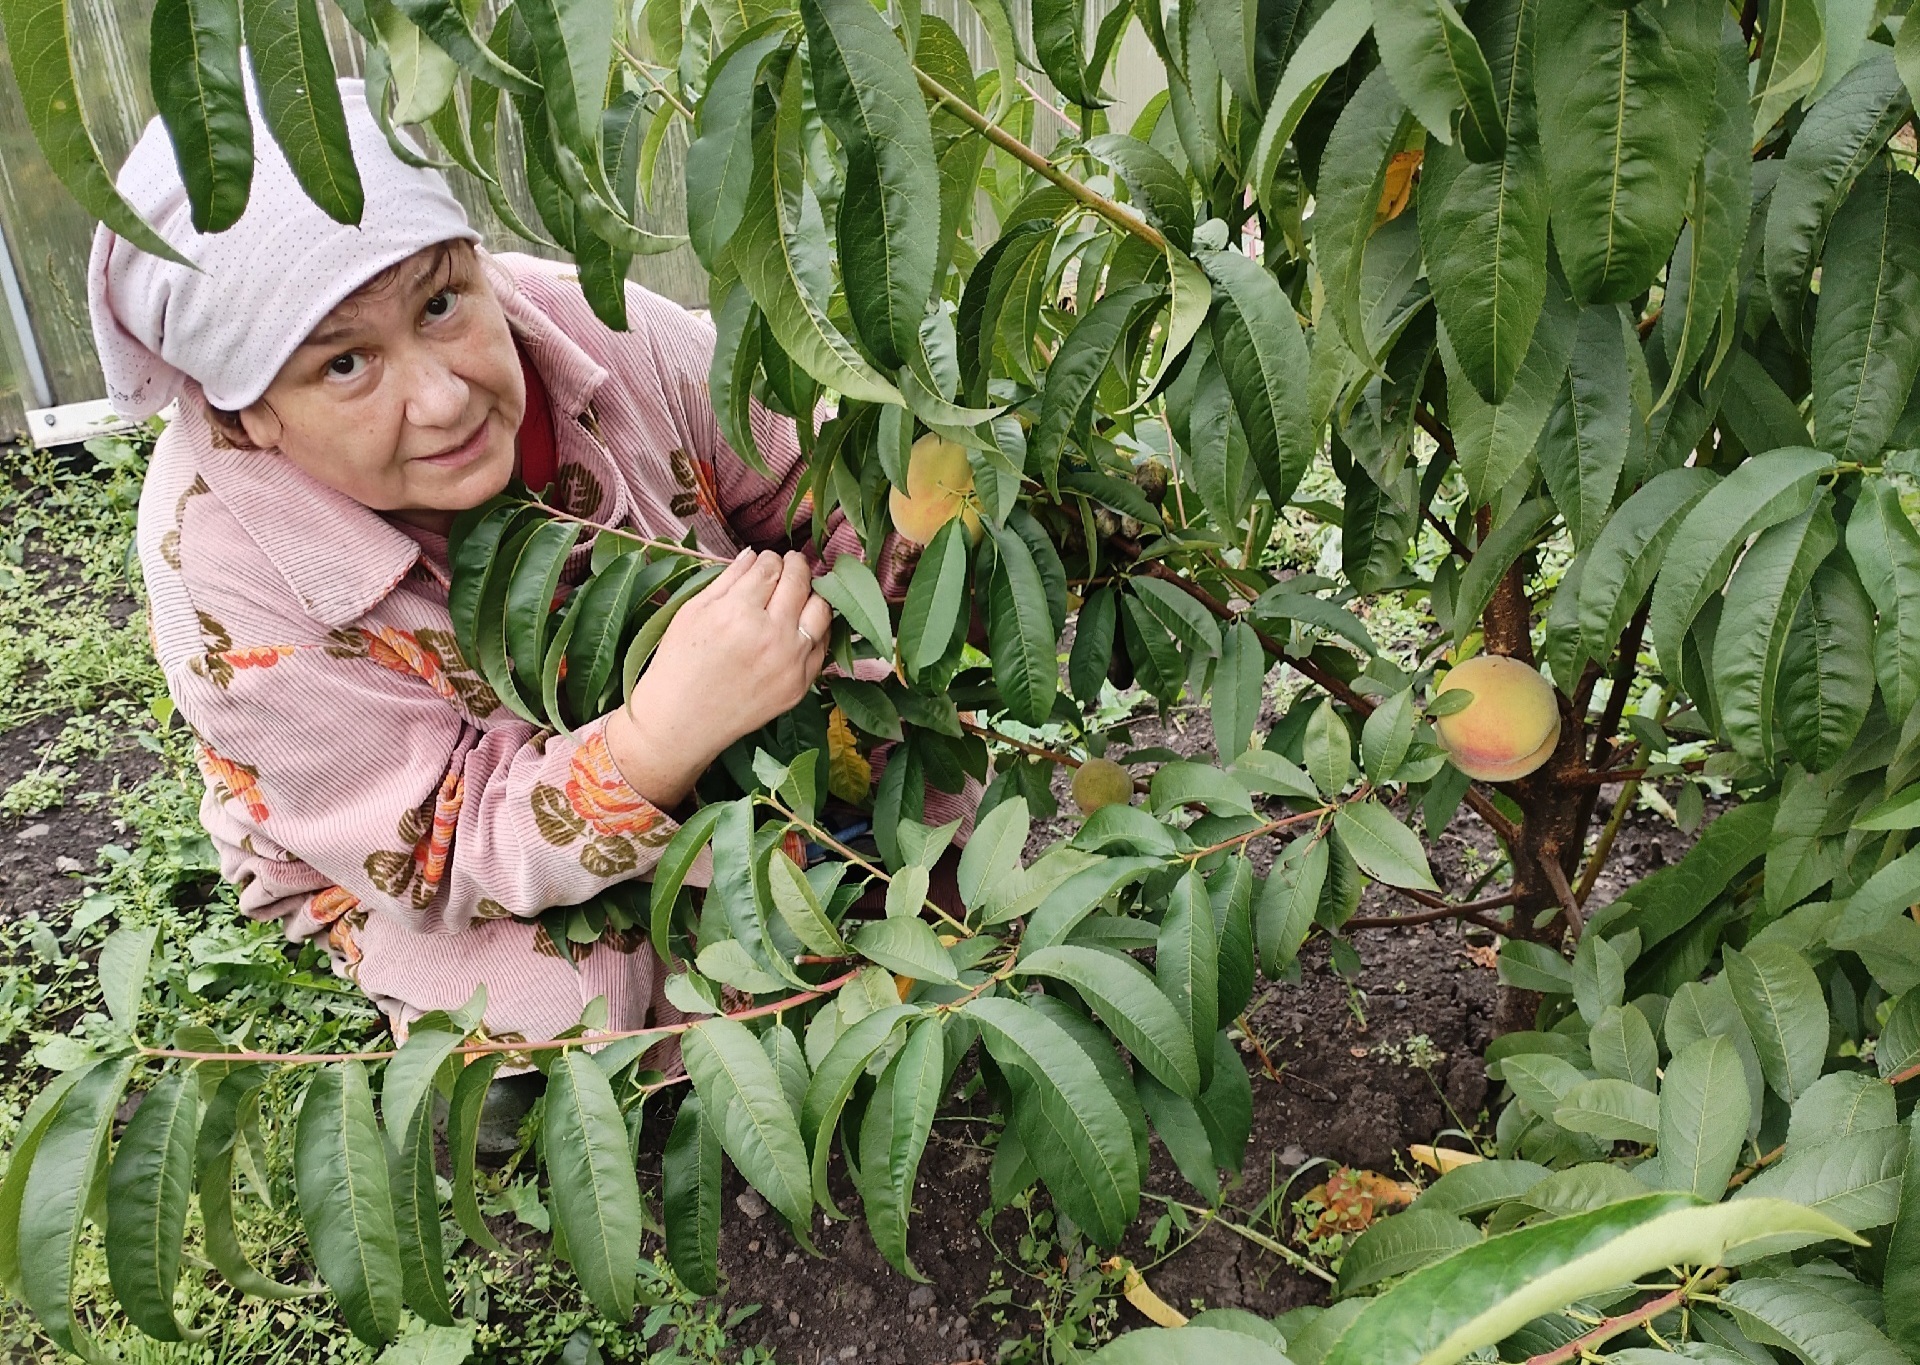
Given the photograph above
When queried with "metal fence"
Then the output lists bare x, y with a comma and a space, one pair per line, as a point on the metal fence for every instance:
46, 344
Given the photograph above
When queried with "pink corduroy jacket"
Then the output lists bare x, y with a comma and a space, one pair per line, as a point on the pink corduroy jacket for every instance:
363, 784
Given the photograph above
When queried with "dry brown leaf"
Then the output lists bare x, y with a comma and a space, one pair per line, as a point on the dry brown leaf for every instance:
1399, 185
1442, 1159
1484, 955
1141, 1295
1351, 1199
849, 775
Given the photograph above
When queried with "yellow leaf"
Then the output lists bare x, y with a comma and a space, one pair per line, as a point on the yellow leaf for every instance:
849, 775
902, 986
1442, 1159
1140, 1296
1399, 185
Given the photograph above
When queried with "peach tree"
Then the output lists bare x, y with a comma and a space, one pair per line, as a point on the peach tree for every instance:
1584, 332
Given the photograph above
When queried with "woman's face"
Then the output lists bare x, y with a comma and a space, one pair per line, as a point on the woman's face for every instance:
406, 398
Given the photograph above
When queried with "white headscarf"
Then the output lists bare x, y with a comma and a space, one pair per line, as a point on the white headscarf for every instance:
263, 284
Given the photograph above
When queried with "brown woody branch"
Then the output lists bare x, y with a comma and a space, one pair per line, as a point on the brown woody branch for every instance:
1037, 751
1581, 1346
1472, 911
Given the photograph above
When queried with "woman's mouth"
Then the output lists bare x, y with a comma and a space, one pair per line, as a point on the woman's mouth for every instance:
465, 453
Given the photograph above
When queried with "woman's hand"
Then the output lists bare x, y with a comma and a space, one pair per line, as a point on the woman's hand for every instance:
741, 653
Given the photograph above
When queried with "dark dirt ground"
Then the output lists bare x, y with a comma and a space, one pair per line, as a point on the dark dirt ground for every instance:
1339, 1095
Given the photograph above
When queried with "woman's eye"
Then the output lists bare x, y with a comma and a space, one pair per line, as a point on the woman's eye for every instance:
442, 303
346, 366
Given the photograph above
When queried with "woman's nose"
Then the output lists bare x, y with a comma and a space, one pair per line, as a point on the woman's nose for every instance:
437, 395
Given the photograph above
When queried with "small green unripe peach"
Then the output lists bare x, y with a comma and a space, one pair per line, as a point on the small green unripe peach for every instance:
1509, 728
1101, 782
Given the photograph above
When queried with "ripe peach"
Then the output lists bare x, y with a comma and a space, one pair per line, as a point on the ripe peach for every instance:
1101, 782
1509, 728
939, 485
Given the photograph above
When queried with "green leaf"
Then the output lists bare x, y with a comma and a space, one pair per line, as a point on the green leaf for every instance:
1765, 491
676, 860
1625, 97
1437, 66
1386, 850
893, 1135
1327, 47
1817, 1325
1328, 749
1483, 227
779, 249
833, 1081
737, 1085
31, 1129
1704, 1115
463, 1127
1534, 967
340, 1174
536, 577
1495, 440
447, 24
1866, 331
41, 55
1719, 213
1059, 44
1885, 550
1792, 58
1629, 551
1841, 133
1187, 966
1093, 641
888, 230
1393, 1246
213, 1162
1373, 126
59, 1188
1853, 1179
1902, 1275
1122, 993
407, 1112
1076, 1109
1194, 1344
690, 1179
1263, 354
855, 593
719, 161
1238, 690
124, 959
1480, 1186
1020, 630
1611, 1110
300, 101
935, 614
1154, 185
1479, 1295
1084, 355
1287, 902
147, 1190
1622, 1046
1826, 672
1785, 1010
599, 615
1178, 1123
994, 850
194, 72
1583, 450
906, 946
596, 1198
1181, 783
1754, 624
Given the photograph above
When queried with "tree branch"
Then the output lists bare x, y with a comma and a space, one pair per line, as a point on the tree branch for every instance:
826, 988
1557, 877
1117, 214
1581, 1346
1623, 672
1471, 911
1050, 755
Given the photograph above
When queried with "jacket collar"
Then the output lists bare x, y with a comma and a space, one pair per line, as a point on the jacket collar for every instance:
340, 557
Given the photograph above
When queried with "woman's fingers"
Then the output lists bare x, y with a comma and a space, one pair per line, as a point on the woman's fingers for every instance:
730, 575
793, 589
756, 585
816, 618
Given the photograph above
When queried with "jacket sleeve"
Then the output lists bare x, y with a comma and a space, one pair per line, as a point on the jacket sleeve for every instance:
754, 505
350, 759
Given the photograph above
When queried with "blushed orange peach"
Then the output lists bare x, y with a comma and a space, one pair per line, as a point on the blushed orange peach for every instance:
1509, 728
939, 487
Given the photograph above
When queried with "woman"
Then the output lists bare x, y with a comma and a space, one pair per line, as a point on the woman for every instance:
345, 391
